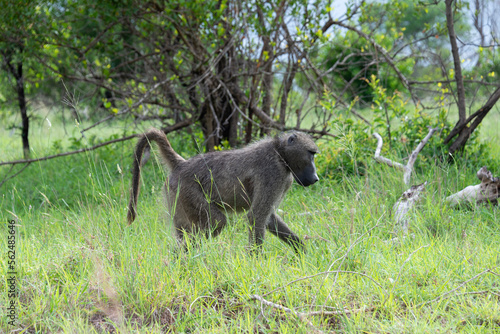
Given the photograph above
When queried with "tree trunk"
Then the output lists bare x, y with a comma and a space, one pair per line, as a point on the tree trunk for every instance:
461, 128
24, 111
266, 58
17, 73
465, 131
267, 80
248, 130
207, 122
456, 63
287, 86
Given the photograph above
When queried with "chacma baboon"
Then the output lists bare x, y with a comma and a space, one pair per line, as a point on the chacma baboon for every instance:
254, 178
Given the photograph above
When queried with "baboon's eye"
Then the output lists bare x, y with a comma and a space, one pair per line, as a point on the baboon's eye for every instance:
313, 152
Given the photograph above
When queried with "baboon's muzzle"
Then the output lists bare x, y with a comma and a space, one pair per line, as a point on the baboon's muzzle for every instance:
307, 176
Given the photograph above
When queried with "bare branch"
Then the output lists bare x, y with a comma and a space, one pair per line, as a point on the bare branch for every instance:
411, 196
420, 146
7, 178
301, 316
126, 110
458, 287
385, 160
408, 169
15, 162
384, 53
168, 129
306, 314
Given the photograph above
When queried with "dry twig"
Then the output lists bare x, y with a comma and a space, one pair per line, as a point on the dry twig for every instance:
302, 316
445, 295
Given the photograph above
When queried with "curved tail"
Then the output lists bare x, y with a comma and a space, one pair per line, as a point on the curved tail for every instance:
171, 158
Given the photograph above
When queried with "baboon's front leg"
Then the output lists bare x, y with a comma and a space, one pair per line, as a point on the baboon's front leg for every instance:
257, 222
278, 227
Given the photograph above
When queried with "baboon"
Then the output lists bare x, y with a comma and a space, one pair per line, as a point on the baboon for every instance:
255, 178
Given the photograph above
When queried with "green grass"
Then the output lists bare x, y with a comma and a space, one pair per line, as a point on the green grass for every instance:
82, 269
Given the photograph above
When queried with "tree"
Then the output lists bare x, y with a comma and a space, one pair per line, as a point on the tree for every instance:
238, 69
449, 82
18, 39
211, 63
465, 125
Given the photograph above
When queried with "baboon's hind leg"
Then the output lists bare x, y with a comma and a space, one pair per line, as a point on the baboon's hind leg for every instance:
216, 220
279, 228
207, 217
183, 228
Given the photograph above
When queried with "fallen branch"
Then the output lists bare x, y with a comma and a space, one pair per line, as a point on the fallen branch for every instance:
384, 160
411, 196
408, 168
302, 316
487, 271
405, 203
485, 192
305, 314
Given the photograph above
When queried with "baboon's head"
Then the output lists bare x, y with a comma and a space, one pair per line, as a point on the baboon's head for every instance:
298, 150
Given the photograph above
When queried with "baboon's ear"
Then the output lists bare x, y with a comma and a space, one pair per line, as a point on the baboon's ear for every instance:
292, 138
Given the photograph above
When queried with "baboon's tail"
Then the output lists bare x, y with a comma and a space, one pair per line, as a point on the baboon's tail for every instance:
171, 158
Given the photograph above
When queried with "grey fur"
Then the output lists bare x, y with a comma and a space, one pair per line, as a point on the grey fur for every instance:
254, 178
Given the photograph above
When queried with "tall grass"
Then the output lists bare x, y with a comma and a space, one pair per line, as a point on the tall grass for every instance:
82, 269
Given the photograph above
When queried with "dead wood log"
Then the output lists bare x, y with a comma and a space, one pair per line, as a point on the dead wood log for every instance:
404, 205
411, 196
487, 191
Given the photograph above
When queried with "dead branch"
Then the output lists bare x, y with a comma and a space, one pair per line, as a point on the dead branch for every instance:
420, 146
86, 149
7, 177
404, 204
302, 316
129, 108
487, 271
168, 129
485, 192
411, 196
384, 160
408, 168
